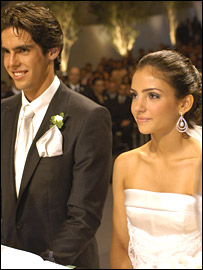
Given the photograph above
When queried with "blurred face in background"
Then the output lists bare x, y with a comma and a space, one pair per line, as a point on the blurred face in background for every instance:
88, 68
74, 75
99, 87
112, 87
122, 90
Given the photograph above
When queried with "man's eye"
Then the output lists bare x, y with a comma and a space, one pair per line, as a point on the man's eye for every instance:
5, 52
22, 50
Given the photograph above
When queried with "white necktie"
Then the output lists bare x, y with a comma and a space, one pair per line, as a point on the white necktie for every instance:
24, 142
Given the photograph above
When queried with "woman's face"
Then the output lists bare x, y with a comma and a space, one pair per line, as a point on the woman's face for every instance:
154, 105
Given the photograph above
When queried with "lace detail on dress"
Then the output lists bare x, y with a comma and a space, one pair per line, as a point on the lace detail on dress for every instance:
145, 249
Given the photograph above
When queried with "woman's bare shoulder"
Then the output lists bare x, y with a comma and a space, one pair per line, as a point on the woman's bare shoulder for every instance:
131, 156
126, 164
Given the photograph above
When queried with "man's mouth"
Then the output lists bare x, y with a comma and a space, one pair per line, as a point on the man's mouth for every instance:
19, 74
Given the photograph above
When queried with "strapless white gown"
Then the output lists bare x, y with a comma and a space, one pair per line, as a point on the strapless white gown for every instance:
162, 228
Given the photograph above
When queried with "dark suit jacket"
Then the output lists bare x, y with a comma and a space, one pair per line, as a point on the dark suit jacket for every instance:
61, 198
120, 111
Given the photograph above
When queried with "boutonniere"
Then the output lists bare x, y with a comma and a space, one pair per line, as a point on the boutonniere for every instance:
57, 120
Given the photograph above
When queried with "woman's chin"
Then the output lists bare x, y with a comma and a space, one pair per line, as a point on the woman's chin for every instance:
144, 131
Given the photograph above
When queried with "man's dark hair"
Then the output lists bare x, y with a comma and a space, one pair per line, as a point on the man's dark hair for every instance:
96, 79
39, 22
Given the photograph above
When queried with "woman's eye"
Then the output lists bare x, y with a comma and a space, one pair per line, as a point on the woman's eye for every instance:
153, 96
133, 94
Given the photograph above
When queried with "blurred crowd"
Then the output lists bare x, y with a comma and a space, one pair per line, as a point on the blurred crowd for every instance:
189, 40
109, 84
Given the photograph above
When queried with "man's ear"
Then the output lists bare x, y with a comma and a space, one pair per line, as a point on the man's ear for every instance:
53, 53
186, 103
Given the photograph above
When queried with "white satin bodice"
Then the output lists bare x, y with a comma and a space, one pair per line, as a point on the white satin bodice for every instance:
162, 227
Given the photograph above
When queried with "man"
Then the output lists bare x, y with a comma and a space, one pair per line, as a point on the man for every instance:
74, 80
122, 117
112, 90
53, 194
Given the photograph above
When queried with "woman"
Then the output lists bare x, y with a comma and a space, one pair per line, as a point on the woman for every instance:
154, 218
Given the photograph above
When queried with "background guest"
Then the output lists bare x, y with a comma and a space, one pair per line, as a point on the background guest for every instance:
74, 80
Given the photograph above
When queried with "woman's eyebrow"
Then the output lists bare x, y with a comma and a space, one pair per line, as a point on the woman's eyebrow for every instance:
147, 89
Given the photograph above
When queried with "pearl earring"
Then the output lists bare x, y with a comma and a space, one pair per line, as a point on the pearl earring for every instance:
181, 125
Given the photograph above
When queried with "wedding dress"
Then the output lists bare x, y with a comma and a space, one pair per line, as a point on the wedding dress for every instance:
162, 228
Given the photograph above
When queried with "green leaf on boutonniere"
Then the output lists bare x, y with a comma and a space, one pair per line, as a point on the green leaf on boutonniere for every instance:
57, 120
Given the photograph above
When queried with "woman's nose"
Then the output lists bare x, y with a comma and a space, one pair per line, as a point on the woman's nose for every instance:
138, 105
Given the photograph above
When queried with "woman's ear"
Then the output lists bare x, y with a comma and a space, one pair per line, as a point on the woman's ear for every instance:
186, 103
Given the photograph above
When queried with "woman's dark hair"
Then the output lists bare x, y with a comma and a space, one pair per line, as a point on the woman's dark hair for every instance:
39, 22
178, 71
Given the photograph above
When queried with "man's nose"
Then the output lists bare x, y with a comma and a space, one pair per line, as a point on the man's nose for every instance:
13, 60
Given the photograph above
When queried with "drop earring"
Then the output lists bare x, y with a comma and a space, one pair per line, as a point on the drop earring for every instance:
181, 125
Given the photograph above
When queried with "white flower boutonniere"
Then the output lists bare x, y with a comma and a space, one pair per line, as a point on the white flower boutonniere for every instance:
57, 120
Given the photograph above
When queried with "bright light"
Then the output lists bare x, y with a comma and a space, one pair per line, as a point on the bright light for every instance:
173, 25
63, 65
123, 38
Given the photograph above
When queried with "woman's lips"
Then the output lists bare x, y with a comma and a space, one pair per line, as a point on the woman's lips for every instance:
143, 119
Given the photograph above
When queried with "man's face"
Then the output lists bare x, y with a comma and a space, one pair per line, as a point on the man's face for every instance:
112, 87
99, 86
24, 61
122, 90
74, 75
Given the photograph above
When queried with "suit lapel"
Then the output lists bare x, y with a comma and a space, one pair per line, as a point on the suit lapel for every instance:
33, 157
11, 118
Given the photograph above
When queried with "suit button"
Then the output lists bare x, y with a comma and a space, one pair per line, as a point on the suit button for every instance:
19, 225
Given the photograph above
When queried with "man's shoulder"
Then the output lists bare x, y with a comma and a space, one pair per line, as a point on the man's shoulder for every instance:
76, 98
80, 106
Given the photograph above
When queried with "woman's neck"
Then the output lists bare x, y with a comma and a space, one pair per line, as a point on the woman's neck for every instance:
168, 145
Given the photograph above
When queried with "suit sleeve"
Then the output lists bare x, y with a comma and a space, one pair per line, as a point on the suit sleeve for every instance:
91, 174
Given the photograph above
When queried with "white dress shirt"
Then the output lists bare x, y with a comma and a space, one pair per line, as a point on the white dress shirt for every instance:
39, 106
121, 99
75, 87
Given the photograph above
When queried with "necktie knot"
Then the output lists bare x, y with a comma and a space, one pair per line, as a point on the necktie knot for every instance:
28, 113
